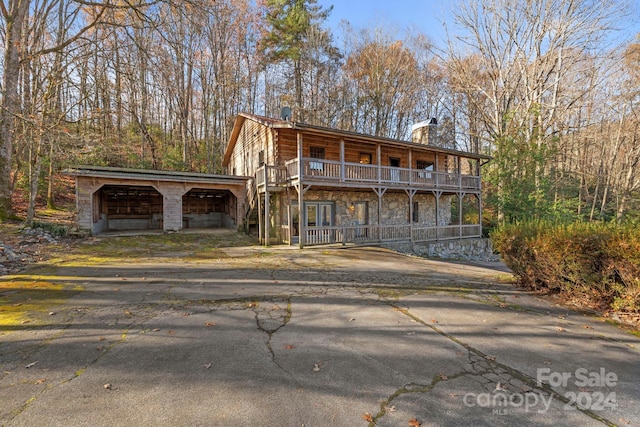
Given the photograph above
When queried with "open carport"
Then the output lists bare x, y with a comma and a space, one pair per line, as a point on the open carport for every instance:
116, 199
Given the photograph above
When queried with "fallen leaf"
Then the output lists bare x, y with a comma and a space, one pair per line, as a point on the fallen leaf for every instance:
490, 357
207, 365
587, 327
316, 367
210, 324
443, 377
367, 417
186, 314
289, 347
624, 421
391, 408
413, 422
108, 387
434, 321
101, 339
41, 381
171, 332
127, 313
560, 328
52, 313
155, 330
32, 364
352, 319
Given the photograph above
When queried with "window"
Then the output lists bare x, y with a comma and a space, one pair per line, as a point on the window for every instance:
423, 166
416, 212
261, 158
395, 174
316, 153
361, 217
319, 214
360, 213
365, 158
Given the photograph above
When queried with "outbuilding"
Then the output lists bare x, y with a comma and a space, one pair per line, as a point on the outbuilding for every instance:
117, 199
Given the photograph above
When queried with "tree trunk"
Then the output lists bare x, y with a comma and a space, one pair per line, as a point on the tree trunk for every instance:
10, 102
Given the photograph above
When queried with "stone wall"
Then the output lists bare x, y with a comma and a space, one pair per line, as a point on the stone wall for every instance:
395, 207
477, 249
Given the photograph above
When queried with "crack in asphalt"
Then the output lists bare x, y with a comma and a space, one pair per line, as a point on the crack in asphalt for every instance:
484, 366
271, 320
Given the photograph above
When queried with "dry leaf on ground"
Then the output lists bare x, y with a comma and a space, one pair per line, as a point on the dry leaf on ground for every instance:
367, 417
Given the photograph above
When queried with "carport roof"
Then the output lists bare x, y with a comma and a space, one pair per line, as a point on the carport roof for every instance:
153, 175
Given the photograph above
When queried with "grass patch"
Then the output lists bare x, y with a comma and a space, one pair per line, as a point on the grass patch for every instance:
26, 302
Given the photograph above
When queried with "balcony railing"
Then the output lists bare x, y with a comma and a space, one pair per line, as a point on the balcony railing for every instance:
330, 171
371, 234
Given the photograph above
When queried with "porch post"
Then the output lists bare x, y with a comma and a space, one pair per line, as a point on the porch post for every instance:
342, 177
266, 207
460, 198
379, 161
411, 193
301, 211
437, 194
260, 218
479, 198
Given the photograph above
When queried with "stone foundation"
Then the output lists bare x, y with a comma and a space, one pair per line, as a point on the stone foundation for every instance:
465, 249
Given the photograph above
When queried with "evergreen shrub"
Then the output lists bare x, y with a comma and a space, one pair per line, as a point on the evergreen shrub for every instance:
596, 265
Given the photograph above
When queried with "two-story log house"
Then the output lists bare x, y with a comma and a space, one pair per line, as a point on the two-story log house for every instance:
315, 185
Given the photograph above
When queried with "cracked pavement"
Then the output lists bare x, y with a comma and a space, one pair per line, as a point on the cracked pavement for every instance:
315, 337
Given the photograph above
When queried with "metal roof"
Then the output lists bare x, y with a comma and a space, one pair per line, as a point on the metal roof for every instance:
153, 175
284, 124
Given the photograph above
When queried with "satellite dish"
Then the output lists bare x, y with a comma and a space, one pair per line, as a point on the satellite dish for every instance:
285, 113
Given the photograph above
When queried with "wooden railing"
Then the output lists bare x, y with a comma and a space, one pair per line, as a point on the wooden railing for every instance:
339, 172
273, 175
387, 233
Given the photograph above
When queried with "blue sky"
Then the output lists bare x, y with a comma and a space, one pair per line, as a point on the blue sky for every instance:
425, 15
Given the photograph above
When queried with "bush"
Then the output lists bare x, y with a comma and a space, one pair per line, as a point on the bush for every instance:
594, 264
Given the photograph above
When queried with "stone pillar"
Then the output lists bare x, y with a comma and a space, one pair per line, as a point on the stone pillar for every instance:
171, 205
85, 189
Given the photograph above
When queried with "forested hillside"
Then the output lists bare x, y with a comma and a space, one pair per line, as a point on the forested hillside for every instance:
549, 89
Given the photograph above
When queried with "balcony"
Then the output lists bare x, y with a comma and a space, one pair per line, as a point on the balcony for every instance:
334, 173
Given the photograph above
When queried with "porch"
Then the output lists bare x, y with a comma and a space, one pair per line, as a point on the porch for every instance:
327, 172
381, 234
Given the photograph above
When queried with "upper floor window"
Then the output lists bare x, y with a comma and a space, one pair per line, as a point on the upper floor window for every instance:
365, 158
424, 165
316, 152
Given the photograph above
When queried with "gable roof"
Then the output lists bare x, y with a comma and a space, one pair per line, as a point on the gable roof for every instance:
153, 175
321, 130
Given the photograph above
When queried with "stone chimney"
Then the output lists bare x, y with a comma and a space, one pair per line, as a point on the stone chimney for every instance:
425, 132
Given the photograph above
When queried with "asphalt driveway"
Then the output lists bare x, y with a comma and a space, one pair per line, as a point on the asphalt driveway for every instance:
318, 337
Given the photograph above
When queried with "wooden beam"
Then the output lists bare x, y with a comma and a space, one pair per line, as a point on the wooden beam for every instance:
302, 229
